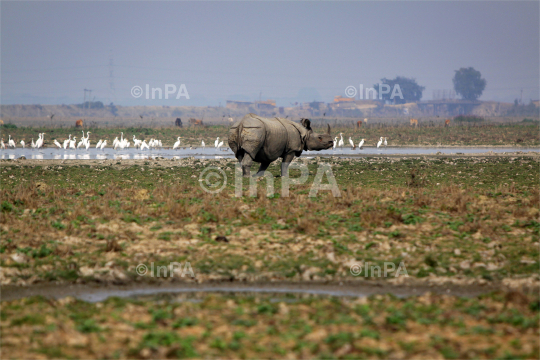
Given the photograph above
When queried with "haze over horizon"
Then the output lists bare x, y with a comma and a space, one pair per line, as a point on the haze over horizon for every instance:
287, 51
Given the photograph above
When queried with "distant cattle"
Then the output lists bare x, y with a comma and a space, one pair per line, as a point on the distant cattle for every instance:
359, 124
79, 123
231, 120
446, 122
414, 122
178, 122
195, 122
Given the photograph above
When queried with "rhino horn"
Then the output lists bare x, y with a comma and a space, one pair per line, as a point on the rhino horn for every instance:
328, 129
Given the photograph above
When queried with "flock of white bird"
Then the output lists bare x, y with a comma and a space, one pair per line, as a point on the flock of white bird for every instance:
12, 145
341, 143
123, 143
84, 142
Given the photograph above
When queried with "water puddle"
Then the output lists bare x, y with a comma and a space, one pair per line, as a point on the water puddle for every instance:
180, 292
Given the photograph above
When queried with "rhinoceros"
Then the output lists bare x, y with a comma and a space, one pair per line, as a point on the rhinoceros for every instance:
263, 140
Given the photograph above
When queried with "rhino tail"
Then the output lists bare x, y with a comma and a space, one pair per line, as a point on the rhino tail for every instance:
239, 134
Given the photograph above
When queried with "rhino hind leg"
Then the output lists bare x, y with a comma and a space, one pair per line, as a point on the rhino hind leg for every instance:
246, 162
262, 169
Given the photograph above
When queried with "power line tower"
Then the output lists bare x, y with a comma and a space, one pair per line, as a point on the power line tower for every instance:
87, 105
89, 95
112, 91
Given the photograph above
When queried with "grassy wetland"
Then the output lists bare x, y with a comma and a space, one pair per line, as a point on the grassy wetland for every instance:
523, 133
452, 221
225, 326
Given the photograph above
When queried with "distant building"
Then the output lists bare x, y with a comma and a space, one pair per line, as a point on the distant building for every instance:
238, 105
447, 106
266, 105
317, 105
267, 102
339, 98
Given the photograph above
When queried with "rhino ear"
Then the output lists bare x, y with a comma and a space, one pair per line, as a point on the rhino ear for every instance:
306, 123
328, 129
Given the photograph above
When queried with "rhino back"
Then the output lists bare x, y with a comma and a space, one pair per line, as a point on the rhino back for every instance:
262, 138
276, 138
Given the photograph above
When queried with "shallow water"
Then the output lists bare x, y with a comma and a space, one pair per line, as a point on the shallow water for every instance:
225, 152
97, 293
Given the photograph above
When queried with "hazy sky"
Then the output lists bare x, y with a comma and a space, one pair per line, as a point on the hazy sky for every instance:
289, 51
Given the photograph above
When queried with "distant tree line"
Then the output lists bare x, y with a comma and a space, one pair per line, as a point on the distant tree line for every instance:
91, 105
97, 105
410, 91
468, 84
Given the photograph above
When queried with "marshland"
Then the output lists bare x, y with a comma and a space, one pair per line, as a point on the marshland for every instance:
522, 132
396, 213
454, 223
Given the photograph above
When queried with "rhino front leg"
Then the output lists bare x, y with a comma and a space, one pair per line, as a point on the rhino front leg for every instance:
246, 161
287, 159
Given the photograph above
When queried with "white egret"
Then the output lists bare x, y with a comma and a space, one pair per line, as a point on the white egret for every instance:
72, 143
87, 141
22, 143
66, 142
123, 143
216, 142
202, 144
335, 143
361, 144
385, 142
39, 142
103, 144
33, 144
379, 143
176, 144
136, 142
99, 143
57, 144
144, 145
340, 144
220, 144
2, 145
11, 143
351, 142
83, 139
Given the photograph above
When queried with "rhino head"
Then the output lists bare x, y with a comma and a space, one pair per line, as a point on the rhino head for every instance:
316, 141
